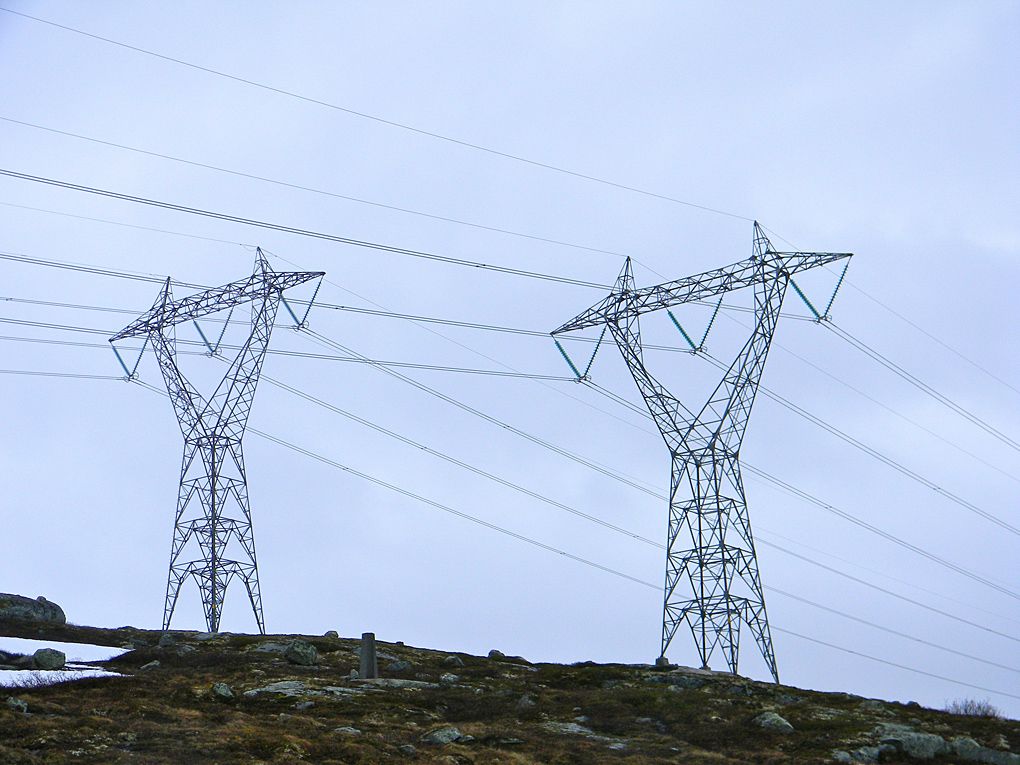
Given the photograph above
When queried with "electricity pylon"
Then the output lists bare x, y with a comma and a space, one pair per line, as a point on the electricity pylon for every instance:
213, 466
712, 582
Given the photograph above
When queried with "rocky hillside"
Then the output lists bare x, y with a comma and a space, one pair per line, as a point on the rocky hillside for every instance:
199, 698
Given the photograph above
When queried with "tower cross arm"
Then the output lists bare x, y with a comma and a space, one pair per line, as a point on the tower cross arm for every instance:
168, 313
621, 305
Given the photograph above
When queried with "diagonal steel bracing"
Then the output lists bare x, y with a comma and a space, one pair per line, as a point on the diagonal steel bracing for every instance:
712, 583
213, 513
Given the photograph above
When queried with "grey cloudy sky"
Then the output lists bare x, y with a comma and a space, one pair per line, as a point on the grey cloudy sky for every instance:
888, 130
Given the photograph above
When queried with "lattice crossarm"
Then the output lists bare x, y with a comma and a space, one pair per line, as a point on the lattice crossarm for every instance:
618, 307
606, 311
795, 262
218, 299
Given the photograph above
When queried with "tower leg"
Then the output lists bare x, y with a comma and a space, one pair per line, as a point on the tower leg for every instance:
213, 472
712, 581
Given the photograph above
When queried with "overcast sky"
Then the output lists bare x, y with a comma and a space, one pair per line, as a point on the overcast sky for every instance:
888, 130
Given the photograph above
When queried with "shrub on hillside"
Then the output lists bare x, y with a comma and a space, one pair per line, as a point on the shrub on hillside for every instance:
973, 708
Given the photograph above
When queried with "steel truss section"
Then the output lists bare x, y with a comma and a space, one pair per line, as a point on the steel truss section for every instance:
712, 582
212, 503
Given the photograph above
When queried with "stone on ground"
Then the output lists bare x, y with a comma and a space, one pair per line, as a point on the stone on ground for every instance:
18, 705
49, 658
442, 736
772, 721
301, 652
222, 692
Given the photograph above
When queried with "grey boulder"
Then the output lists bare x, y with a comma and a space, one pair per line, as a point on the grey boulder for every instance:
920, 746
970, 750
18, 705
443, 736
301, 652
772, 721
26, 609
49, 658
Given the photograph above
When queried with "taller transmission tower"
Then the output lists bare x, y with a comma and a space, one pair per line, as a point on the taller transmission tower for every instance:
212, 470
712, 582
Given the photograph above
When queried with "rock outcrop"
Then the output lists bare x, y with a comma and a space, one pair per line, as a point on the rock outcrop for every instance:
25, 609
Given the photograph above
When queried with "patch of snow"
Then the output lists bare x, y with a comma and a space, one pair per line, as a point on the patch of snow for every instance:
73, 651
13, 677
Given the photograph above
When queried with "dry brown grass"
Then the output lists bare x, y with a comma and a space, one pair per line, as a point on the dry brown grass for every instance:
168, 715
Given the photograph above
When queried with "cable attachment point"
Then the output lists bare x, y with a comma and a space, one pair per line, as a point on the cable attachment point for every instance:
130, 375
302, 323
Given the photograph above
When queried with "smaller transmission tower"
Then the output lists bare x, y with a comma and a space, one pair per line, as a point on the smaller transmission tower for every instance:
712, 582
213, 479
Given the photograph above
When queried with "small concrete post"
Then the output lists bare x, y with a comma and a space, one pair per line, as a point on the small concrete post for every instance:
369, 667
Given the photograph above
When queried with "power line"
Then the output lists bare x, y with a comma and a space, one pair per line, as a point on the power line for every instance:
892, 593
502, 481
298, 231
97, 270
431, 503
381, 120
886, 407
70, 375
912, 324
877, 572
772, 479
421, 324
892, 366
874, 453
474, 146
489, 418
626, 532
550, 548
893, 664
606, 471
124, 225
762, 474
106, 272
275, 352
313, 190
529, 540
94, 270
934, 338
889, 630
843, 334
882, 533
800, 493
459, 463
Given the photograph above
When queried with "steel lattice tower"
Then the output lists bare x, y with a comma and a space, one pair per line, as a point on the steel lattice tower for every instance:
212, 471
712, 581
